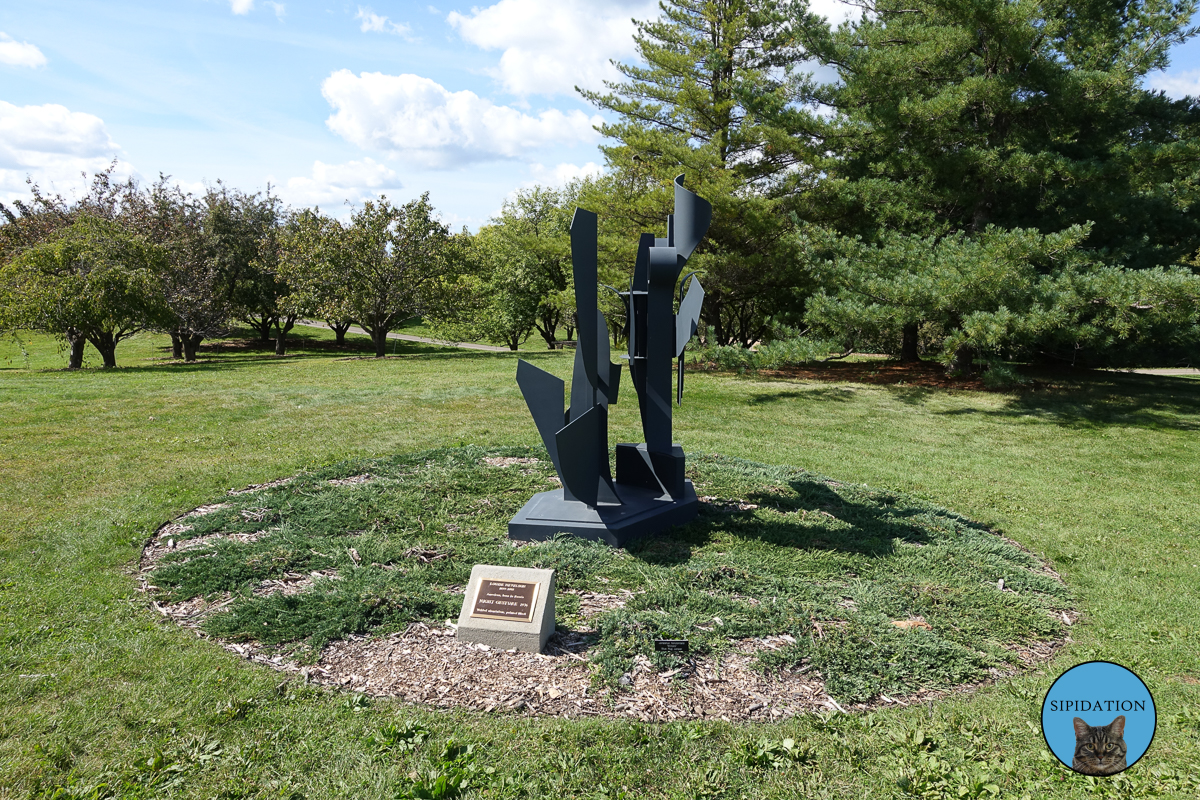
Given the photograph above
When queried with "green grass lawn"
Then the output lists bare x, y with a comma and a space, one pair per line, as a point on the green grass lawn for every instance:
100, 698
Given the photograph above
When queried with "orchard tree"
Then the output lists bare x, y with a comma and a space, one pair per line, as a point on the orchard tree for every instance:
724, 98
241, 238
38, 219
495, 298
193, 286
396, 261
313, 262
529, 253
26, 224
92, 281
277, 300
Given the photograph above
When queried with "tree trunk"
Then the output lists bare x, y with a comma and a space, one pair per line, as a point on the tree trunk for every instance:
176, 345
262, 326
76, 341
909, 344
963, 361
546, 322
106, 343
282, 326
339, 331
190, 345
379, 337
713, 306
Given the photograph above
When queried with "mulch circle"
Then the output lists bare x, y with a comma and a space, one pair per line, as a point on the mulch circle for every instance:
427, 664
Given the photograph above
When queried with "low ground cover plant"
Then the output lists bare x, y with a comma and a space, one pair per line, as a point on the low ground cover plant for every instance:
879, 592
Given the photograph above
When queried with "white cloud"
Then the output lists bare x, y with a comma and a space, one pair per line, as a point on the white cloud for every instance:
243, 7
456, 222
562, 174
19, 54
332, 185
50, 129
439, 128
374, 23
835, 11
551, 46
1177, 85
53, 145
196, 188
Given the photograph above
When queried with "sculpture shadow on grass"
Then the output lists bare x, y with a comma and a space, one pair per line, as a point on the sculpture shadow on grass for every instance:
873, 531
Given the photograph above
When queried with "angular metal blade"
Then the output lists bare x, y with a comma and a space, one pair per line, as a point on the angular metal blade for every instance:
543, 394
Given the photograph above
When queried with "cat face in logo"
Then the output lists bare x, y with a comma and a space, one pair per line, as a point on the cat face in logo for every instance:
1100, 749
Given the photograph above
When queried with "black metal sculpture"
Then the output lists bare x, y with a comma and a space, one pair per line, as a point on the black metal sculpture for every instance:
650, 492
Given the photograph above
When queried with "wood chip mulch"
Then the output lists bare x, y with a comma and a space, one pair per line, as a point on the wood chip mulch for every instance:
254, 487
429, 665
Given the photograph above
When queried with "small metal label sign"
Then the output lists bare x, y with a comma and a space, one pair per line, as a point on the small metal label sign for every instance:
670, 645
510, 600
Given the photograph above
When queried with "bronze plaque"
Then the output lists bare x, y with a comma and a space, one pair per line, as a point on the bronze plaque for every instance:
510, 600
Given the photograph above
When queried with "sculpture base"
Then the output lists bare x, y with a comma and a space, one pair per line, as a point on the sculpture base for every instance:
641, 513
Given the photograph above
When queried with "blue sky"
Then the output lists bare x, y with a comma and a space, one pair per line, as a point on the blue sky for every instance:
327, 102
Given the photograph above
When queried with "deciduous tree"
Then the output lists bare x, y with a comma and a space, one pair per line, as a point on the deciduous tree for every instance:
241, 238
496, 298
314, 263
394, 264
194, 288
92, 280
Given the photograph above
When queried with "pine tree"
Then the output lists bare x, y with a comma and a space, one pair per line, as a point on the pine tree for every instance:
962, 128
955, 116
720, 99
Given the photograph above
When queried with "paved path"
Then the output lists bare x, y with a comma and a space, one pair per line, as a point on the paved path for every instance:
1164, 371
408, 338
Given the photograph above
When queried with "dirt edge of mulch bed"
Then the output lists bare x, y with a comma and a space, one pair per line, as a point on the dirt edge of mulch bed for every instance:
886, 372
427, 664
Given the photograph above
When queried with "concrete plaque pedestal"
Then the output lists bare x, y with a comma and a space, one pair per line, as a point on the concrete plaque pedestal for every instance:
508, 607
